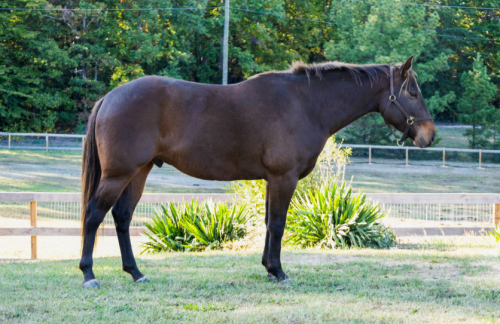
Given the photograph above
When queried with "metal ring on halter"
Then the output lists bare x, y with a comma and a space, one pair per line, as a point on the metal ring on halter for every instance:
410, 121
392, 97
399, 141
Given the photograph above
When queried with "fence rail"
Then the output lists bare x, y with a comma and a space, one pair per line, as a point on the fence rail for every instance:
473, 211
412, 148
79, 147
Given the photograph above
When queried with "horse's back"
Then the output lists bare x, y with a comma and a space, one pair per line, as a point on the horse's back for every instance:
207, 131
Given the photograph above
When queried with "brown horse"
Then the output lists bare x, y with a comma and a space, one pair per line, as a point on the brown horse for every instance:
272, 126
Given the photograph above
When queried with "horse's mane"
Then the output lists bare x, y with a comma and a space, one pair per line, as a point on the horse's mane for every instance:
356, 71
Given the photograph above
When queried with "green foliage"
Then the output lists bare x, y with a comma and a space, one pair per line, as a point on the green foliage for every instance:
215, 224
475, 103
331, 216
495, 233
165, 230
329, 168
191, 226
55, 65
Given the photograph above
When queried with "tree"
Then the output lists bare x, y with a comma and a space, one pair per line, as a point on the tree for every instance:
385, 31
474, 105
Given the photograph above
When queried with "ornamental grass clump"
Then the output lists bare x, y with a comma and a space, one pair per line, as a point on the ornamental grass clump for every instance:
332, 216
216, 224
193, 226
165, 230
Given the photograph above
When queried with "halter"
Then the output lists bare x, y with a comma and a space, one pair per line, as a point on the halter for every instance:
409, 119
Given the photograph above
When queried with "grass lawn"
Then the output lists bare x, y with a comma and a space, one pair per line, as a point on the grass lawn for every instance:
452, 137
59, 171
435, 282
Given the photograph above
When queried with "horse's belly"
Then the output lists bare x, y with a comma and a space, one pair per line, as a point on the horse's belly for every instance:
217, 165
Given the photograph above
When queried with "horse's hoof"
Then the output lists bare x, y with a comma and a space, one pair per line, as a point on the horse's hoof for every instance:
91, 284
271, 278
286, 281
141, 280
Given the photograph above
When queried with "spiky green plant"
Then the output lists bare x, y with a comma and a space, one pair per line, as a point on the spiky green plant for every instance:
332, 216
216, 224
495, 233
165, 230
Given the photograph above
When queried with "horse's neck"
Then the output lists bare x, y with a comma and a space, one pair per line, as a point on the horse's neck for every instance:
343, 102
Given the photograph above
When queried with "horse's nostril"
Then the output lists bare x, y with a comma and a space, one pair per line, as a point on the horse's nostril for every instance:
421, 141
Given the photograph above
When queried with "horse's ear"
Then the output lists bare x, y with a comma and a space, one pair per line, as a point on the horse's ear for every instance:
407, 66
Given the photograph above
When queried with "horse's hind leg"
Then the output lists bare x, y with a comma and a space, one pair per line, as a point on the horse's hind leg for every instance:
107, 193
122, 214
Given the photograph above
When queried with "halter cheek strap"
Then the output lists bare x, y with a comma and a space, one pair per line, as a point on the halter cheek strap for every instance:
409, 119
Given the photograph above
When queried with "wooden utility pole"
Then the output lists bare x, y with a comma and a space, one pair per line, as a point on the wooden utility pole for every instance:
225, 43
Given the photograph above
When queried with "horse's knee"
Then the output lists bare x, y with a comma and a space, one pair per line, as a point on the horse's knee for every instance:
276, 228
121, 215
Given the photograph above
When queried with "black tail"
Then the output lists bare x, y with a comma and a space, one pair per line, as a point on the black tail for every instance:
91, 166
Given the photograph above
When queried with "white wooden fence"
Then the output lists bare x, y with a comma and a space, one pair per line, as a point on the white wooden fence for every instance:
388, 201
47, 147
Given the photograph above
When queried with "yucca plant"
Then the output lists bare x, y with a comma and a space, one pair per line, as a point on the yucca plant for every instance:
332, 216
495, 233
165, 230
216, 224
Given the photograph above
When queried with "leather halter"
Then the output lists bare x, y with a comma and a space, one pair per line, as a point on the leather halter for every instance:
409, 119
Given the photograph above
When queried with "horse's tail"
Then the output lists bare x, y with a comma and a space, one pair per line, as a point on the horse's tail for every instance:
91, 166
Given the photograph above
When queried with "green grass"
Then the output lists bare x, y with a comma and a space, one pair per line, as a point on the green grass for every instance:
452, 137
59, 171
428, 283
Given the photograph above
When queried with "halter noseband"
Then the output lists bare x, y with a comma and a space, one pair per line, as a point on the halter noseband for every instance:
409, 119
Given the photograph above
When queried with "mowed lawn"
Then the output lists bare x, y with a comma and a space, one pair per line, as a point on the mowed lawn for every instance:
59, 171
434, 282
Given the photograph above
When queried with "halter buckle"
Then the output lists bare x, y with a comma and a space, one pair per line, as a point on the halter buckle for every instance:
399, 141
392, 97
410, 121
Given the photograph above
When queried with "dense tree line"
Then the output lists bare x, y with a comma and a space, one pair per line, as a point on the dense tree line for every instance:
55, 64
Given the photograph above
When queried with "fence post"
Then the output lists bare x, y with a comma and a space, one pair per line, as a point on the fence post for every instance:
33, 224
407, 156
9, 141
46, 142
444, 154
496, 215
480, 153
369, 154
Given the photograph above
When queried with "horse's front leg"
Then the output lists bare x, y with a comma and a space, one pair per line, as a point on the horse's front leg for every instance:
279, 193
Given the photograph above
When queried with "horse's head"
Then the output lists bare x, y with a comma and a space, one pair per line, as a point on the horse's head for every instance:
403, 107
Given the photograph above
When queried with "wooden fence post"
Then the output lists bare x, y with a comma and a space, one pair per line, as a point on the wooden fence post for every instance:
444, 154
33, 224
407, 156
496, 215
46, 142
370, 154
9, 141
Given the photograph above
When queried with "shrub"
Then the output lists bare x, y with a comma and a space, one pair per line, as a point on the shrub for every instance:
216, 224
166, 231
332, 216
191, 226
329, 168
495, 233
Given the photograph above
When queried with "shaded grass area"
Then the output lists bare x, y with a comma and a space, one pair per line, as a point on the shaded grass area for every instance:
429, 283
59, 171
452, 137
422, 178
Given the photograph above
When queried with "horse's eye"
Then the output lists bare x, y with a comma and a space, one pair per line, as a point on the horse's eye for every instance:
413, 93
